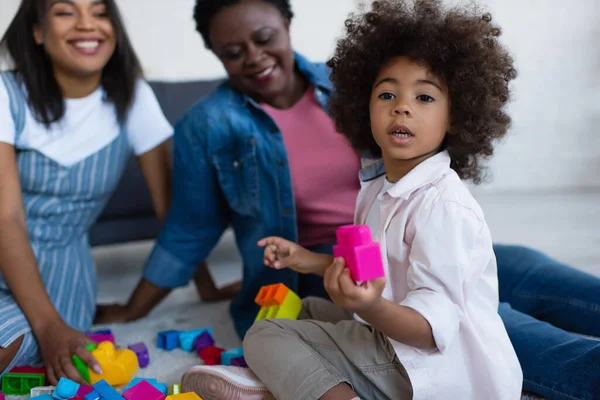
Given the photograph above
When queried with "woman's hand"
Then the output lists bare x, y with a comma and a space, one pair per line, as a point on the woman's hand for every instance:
58, 343
281, 253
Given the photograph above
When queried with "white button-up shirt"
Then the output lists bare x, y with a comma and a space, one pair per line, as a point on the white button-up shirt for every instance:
438, 256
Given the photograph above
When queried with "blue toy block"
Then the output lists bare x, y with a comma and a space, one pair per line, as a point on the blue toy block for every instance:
161, 387
167, 340
42, 397
186, 338
229, 355
65, 389
102, 332
93, 395
106, 391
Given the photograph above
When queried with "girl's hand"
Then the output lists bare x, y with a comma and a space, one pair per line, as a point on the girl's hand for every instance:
281, 253
347, 294
111, 314
58, 343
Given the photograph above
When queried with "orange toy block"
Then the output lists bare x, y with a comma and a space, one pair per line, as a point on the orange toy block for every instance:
118, 366
184, 396
272, 295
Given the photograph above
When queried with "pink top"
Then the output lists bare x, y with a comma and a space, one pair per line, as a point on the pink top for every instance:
324, 170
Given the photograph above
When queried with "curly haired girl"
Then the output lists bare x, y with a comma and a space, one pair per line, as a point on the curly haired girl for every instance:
423, 88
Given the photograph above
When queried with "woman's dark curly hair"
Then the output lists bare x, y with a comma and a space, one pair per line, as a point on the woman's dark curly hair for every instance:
205, 11
459, 45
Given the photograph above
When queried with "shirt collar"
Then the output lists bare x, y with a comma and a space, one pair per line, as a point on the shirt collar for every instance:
423, 174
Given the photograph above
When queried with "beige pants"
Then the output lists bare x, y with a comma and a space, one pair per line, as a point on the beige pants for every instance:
304, 359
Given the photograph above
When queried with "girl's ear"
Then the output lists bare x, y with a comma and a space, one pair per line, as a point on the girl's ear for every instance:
38, 35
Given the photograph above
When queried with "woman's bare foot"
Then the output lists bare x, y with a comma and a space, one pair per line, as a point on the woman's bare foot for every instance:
208, 292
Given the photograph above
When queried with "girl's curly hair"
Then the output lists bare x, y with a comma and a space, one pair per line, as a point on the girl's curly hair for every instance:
460, 45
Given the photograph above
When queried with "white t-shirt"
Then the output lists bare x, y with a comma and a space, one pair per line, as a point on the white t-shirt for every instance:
88, 125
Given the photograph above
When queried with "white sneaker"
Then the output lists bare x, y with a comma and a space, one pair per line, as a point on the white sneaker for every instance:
219, 382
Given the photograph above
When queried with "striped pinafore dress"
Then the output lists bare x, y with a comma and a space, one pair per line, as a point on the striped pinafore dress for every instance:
61, 204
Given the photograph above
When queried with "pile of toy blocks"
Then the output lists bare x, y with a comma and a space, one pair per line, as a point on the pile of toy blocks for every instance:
201, 341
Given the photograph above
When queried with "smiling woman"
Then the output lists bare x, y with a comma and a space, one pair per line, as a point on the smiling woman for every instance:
71, 112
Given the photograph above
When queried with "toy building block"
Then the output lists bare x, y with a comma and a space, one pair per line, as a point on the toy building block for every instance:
228, 355
211, 355
184, 396
118, 366
361, 254
141, 351
277, 301
106, 391
40, 390
186, 338
83, 390
102, 336
175, 389
93, 395
3, 397
42, 397
239, 362
82, 367
65, 389
143, 391
21, 384
161, 387
167, 340
204, 340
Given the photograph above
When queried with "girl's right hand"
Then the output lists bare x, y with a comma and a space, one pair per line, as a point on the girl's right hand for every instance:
58, 343
281, 253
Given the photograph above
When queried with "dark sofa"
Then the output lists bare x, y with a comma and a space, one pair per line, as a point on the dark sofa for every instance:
129, 216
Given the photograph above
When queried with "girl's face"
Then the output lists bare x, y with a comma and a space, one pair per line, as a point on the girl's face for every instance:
78, 36
252, 40
410, 112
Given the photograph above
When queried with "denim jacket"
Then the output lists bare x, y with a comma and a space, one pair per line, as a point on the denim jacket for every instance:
230, 169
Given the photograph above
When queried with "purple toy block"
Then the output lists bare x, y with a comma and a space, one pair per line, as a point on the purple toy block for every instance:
143, 390
203, 341
84, 390
361, 254
239, 362
102, 337
141, 351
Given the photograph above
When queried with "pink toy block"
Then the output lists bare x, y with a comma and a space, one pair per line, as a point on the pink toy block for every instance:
143, 391
102, 337
2, 396
83, 390
361, 254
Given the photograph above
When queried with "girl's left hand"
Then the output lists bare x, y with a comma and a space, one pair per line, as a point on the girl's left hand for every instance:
347, 294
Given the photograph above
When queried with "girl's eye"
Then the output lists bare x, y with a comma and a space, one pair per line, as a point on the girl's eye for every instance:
425, 98
387, 96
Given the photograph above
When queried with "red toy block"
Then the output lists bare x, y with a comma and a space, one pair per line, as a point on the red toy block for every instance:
271, 295
143, 391
211, 355
361, 254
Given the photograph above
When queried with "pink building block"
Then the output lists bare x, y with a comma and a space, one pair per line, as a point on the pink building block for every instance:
2, 396
102, 337
83, 390
143, 391
361, 254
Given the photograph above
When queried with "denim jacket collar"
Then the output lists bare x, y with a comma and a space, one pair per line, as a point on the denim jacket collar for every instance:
309, 70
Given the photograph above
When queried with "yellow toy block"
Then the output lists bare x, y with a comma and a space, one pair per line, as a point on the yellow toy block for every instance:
278, 301
184, 396
118, 366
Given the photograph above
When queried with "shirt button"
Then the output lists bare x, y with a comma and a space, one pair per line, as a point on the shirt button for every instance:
286, 211
235, 164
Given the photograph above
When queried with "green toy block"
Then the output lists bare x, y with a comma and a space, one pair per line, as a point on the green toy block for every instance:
289, 308
21, 384
82, 367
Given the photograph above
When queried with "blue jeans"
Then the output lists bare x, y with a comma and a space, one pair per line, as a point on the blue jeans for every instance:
541, 299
